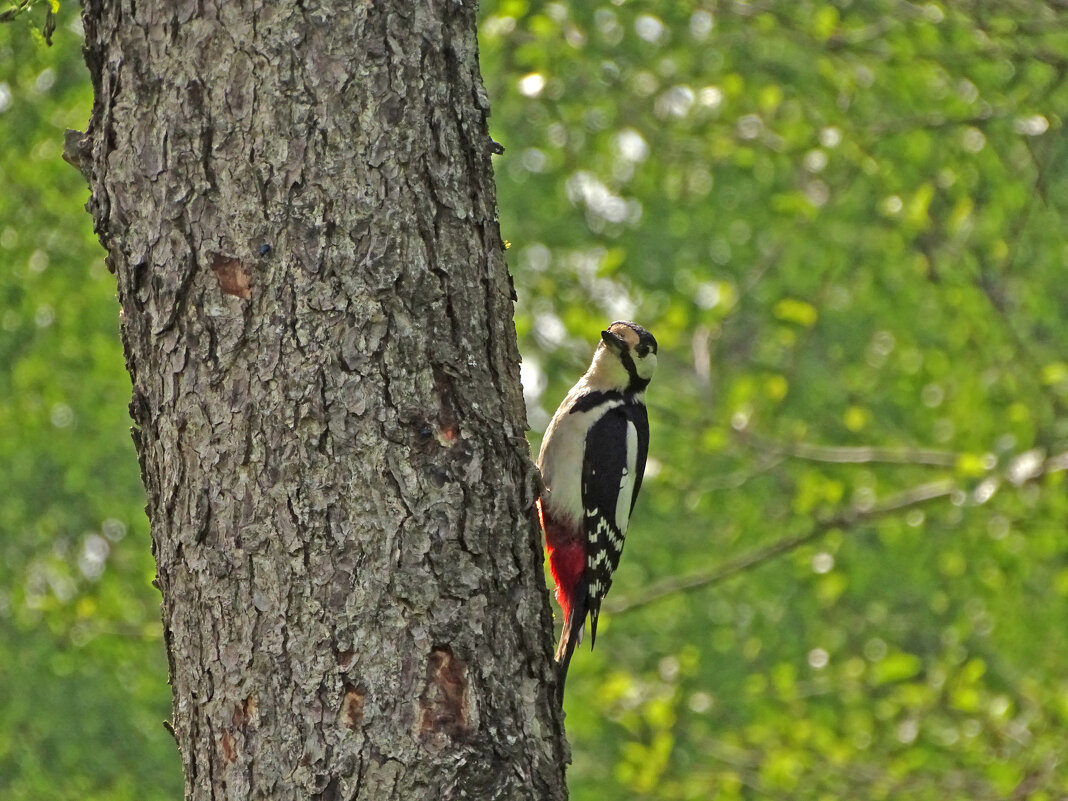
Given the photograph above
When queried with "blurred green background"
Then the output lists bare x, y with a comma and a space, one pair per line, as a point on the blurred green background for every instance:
846, 225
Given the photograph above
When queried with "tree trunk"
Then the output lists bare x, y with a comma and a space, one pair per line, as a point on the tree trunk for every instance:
297, 201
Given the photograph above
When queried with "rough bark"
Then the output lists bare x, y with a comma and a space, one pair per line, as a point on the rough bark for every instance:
297, 202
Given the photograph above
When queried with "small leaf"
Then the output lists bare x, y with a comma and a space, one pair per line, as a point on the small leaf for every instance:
856, 417
971, 464
1054, 373
896, 667
791, 310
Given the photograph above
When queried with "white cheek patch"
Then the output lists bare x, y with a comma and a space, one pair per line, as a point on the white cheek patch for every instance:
645, 367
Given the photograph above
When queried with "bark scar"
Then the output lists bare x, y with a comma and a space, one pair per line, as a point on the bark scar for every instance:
444, 701
448, 424
352, 706
232, 275
245, 711
229, 748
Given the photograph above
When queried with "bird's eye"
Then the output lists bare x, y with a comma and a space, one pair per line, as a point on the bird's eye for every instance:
643, 351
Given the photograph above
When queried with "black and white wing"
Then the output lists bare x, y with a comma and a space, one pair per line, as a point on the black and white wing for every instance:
612, 469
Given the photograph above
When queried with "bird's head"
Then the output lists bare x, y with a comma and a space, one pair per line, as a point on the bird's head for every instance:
625, 359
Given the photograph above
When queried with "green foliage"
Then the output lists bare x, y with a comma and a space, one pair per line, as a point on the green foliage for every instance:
845, 223
21, 7
81, 657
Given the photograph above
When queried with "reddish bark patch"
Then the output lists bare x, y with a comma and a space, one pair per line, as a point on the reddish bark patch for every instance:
229, 747
444, 701
344, 659
352, 706
448, 424
232, 275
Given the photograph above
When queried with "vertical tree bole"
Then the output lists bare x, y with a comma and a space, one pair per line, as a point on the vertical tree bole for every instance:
297, 202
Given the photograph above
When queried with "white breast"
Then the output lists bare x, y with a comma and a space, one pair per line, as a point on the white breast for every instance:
560, 460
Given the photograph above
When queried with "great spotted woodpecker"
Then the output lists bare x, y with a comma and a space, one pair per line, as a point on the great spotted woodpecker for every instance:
592, 460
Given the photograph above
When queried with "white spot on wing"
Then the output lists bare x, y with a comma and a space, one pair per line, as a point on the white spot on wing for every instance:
626, 484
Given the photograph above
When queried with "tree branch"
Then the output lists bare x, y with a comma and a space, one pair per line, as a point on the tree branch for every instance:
846, 519
839, 454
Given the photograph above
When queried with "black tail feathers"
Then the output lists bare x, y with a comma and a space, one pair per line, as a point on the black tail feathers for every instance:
571, 636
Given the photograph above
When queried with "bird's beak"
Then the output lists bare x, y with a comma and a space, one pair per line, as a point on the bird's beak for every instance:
613, 341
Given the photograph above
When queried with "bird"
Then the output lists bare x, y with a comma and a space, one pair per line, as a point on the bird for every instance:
592, 461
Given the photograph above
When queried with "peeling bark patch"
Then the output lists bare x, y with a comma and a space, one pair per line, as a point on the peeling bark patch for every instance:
245, 711
344, 659
232, 275
352, 706
229, 747
444, 701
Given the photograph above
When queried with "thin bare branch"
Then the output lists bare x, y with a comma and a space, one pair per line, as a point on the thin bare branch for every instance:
739, 478
839, 454
849, 518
